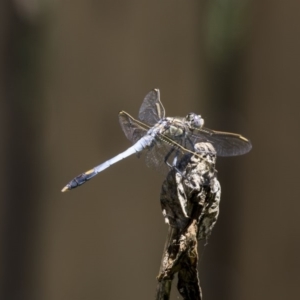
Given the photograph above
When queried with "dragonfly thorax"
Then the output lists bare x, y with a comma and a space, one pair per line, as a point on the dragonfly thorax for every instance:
175, 131
173, 128
194, 121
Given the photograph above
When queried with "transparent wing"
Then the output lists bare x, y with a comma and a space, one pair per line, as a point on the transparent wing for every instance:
132, 128
152, 110
225, 143
163, 154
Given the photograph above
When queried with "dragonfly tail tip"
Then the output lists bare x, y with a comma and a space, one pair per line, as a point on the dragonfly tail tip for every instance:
65, 189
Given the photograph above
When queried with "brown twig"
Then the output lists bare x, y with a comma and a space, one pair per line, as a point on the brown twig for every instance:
190, 199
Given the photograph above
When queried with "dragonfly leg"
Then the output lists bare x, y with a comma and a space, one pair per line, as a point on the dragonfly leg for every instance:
174, 163
175, 158
167, 157
190, 142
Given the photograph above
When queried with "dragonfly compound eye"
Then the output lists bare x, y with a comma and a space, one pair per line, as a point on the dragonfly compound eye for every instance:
195, 121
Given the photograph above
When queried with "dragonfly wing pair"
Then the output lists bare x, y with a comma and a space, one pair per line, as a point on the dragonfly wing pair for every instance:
150, 113
225, 143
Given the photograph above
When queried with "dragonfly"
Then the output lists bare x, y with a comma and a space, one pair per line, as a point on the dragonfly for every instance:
165, 139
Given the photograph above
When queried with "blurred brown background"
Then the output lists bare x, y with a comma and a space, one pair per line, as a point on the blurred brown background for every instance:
68, 67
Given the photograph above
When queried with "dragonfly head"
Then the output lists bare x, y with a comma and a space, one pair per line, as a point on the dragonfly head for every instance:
194, 121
